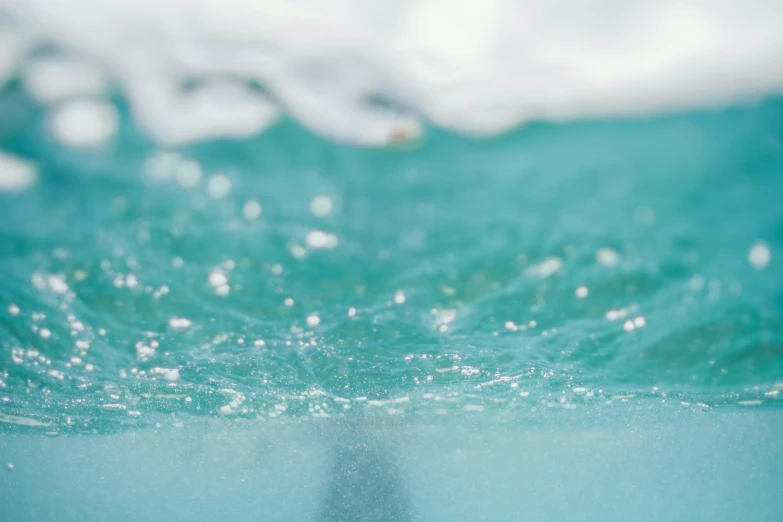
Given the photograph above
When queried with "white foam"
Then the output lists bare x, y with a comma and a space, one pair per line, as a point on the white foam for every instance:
168, 374
217, 278
219, 281
321, 239
84, 123
478, 66
545, 268
50, 79
57, 284
12, 45
16, 174
179, 323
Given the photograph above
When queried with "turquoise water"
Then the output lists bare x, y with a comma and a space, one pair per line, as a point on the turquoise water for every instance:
557, 274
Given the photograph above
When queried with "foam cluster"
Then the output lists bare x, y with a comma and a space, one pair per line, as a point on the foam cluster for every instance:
371, 73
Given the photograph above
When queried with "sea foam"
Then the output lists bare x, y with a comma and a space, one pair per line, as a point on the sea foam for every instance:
371, 73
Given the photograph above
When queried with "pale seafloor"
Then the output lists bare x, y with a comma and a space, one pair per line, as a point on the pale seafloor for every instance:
574, 320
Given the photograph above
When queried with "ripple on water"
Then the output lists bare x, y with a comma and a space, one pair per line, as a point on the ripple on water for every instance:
460, 278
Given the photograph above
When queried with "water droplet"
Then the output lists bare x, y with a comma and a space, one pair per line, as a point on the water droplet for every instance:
188, 174
759, 255
218, 186
251, 210
321, 206
320, 239
607, 257
640, 322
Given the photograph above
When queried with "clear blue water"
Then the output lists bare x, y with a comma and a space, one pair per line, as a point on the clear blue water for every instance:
452, 303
